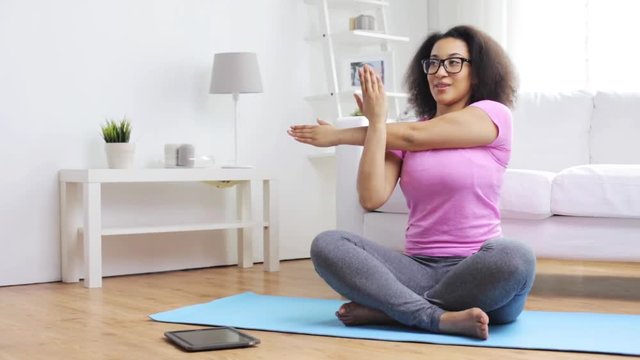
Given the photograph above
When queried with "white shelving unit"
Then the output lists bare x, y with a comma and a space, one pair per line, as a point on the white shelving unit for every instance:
337, 93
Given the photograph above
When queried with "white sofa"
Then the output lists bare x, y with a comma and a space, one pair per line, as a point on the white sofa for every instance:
572, 189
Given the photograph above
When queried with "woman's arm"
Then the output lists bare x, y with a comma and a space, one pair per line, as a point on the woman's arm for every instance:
378, 171
376, 184
468, 127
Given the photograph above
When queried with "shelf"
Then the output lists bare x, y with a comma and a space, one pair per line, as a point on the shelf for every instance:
357, 35
340, 43
361, 37
348, 95
174, 228
350, 4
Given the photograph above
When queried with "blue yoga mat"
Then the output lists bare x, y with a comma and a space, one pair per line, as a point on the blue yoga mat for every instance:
562, 331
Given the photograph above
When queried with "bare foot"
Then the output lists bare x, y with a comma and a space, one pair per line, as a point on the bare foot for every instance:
471, 322
355, 314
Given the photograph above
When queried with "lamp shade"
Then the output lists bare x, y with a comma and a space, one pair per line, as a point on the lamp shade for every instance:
235, 72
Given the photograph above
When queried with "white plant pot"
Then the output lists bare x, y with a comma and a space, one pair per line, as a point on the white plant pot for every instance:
120, 155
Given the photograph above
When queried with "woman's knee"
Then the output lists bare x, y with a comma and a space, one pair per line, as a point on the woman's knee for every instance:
517, 257
324, 244
508, 313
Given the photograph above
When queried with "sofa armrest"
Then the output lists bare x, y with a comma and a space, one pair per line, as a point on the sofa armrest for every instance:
526, 194
349, 213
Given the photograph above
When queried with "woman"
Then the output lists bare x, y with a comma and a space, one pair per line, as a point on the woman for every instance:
456, 274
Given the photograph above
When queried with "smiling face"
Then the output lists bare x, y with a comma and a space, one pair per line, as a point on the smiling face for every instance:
450, 91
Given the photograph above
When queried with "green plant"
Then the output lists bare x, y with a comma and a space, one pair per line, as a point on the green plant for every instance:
116, 131
356, 112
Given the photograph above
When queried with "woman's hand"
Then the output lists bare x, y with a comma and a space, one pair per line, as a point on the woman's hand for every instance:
373, 103
322, 135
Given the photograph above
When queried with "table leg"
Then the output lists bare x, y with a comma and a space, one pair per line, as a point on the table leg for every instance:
245, 244
270, 233
70, 221
92, 230
257, 212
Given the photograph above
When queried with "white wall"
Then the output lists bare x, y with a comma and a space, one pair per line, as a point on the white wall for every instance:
68, 65
487, 15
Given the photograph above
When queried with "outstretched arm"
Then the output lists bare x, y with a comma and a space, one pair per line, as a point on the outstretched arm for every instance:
468, 127
324, 134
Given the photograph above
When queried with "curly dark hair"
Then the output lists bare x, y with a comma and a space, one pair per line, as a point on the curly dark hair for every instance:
492, 75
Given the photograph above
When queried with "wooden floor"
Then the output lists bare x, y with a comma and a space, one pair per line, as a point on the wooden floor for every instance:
68, 321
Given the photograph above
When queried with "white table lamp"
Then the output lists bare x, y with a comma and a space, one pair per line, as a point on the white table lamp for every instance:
235, 73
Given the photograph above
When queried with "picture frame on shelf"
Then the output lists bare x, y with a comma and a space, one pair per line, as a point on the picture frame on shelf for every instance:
381, 63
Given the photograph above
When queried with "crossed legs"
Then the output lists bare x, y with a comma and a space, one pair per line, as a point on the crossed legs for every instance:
451, 295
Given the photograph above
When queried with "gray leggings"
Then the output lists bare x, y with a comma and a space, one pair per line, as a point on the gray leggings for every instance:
416, 290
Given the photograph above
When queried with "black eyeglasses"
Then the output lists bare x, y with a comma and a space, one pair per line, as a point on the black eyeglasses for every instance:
452, 65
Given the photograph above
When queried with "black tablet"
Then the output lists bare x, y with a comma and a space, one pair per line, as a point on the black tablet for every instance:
211, 338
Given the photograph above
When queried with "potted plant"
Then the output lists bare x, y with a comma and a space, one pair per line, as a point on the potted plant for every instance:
356, 112
119, 150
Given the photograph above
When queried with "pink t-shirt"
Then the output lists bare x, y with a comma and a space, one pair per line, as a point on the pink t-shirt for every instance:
453, 194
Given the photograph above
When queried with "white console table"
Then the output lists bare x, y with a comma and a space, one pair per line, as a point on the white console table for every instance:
81, 219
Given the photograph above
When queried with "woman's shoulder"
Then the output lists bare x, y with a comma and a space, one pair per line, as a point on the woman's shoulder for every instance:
491, 104
494, 109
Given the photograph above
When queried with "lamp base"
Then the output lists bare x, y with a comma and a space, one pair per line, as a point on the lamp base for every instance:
236, 166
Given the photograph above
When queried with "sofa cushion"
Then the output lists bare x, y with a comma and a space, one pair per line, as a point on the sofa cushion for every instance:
597, 190
551, 131
526, 194
615, 128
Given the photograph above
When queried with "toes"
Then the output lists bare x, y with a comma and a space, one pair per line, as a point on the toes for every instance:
344, 318
482, 317
345, 308
484, 332
478, 316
